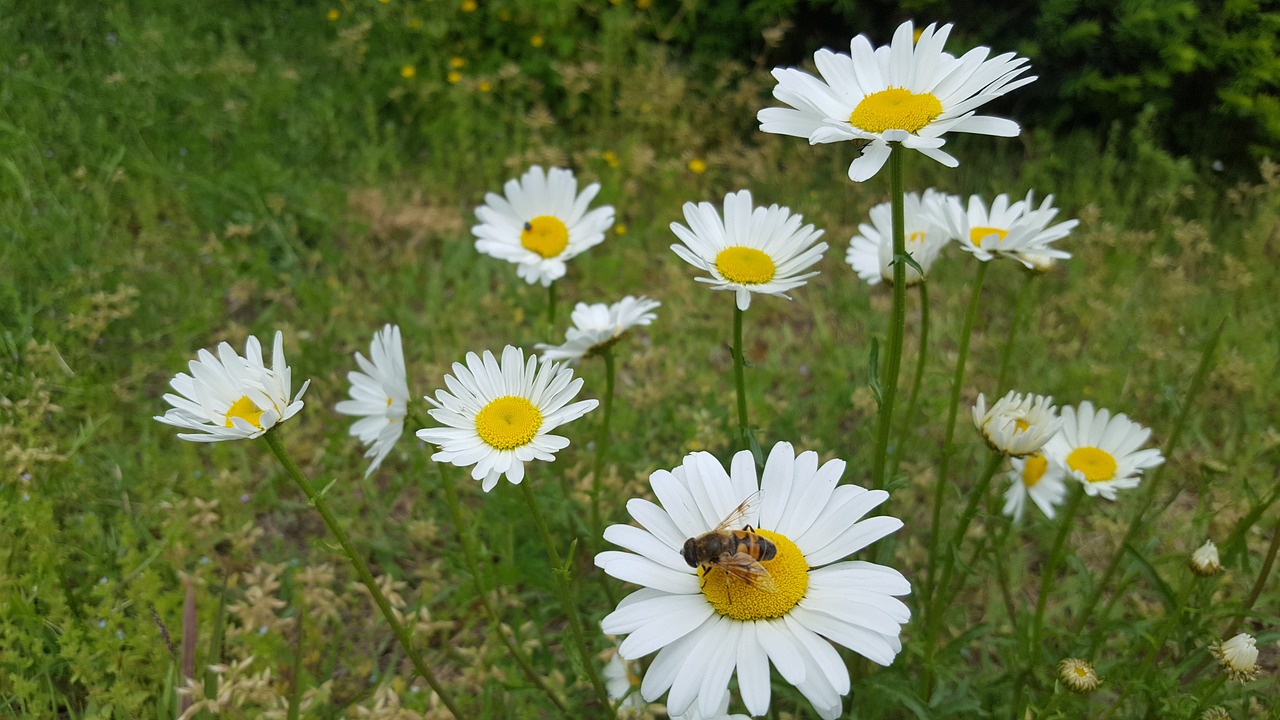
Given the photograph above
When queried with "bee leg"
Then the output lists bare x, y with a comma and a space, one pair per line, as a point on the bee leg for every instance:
726, 588
704, 579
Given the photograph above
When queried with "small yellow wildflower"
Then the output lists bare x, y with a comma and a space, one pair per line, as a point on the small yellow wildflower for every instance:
610, 158
385, 2
454, 77
414, 23
468, 6
644, 4
620, 229
537, 40
457, 62
697, 166
484, 86
408, 71
333, 14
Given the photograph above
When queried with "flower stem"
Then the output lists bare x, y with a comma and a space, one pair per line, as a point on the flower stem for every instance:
563, 574
469, 555
1260, 583
910, 415
939, 490
357, 562
1150, 485
897, 320
976, 495
602, 443
551, 310
1006, 355
740, 380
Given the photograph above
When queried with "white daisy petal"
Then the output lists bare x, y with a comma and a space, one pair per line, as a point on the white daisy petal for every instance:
379, 396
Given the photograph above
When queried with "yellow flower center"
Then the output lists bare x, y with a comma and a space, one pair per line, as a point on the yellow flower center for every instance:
744, 265
1033, 470
545, 235
895, 108
245, 410
1097, 465
915, 238
508, 422
733, 597
978, 234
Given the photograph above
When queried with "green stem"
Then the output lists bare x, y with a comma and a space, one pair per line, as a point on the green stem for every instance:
357, 562
1048, 572
939, 490
473, 567
897, 321
976, 495
740, 379
909, 417
1150, 485
295, 687
602, 444
1261, 583
1007, 354
562, 573
551, 310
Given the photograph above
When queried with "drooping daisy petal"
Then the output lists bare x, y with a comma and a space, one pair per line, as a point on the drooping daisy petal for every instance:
540, 222
1036, 478
598, 326
1017, 230
379, 396
776, 609
870, 252
909, 91
229, 397
750, 249
1101, 451
497, 416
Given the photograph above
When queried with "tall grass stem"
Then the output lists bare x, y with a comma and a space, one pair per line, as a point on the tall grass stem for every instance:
602, 442
362, 569
1006, 355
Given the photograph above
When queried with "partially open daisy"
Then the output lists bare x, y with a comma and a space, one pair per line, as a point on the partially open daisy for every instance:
1238, 656
1078, 675
1017, 425
908, 92
1102, 451
1205, 561
598, 326
773, 601
229, 397
1018, 230
379, 396
540, 222
1036, 478
499, 416
750, 250
871, 250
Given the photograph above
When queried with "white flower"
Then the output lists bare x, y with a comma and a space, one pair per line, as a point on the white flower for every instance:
1101, 451
380, 395
1017, 425
229, 397
871, 251
598, 326
498, 417
623, 683
540, 223
909, 92
1036, 478
1238, 656
1019, 230
1078, 675
760, 250
1205, 561
706, 623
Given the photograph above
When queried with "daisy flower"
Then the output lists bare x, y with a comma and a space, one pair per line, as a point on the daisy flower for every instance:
1238, 656
871, 250
1017, 425
1078, 675
229, 397
1017, 230
497, 416
908, 92
1036, 478
750, 250
540, 223
706, 623
379, 395
598, 326
1101, 451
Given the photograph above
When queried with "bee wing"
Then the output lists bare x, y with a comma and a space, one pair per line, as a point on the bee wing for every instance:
738, 518
748, 570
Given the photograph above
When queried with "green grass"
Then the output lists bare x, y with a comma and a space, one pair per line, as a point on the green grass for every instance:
178, 176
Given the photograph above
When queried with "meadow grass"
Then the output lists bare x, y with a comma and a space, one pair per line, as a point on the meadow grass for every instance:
188, 174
